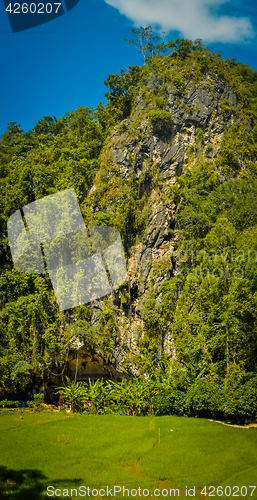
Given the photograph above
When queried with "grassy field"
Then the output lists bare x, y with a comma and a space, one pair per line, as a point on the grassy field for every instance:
153, 455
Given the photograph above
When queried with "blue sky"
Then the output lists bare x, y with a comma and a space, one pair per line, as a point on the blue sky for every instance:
61, 65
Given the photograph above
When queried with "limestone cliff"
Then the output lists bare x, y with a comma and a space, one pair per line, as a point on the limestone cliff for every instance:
154, 153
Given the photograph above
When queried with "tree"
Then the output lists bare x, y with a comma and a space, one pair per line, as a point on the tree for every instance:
145, 43
20, 374
122, 90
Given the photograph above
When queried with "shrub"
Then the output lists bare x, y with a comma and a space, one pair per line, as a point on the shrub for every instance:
237, 404
169, 402
38, 400
199, 132
178, 80
191, 109
205, 399
161, 102
9, 404
158, 115
240, 404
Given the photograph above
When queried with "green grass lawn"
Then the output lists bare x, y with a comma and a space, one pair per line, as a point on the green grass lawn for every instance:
163, 453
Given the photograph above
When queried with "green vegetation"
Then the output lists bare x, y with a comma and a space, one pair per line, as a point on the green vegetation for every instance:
37, 402
46, 449
72, 394
199, 132
214, 323
159, 115
208, 304
183, 392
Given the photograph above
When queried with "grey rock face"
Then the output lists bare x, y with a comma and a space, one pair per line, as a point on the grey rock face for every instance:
201, 97
157, 229
196, 107
137, 151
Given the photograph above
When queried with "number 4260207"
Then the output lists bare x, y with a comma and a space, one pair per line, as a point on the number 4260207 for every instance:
234, 491
33, 8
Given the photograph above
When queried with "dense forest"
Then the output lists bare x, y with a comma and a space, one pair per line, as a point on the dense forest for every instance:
177, 176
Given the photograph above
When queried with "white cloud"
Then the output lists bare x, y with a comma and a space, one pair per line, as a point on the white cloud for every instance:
191, 18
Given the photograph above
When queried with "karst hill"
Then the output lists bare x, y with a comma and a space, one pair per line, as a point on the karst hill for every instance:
170, 161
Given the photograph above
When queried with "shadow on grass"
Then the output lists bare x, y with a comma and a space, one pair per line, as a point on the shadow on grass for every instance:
27, 484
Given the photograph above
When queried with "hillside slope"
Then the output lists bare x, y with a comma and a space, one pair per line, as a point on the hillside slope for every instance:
171, 163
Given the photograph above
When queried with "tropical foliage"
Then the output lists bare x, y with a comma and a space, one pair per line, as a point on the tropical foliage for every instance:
208, 305
163, 395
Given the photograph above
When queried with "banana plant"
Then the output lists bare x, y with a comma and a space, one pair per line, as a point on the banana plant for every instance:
72, 393
96, 394
130, 396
